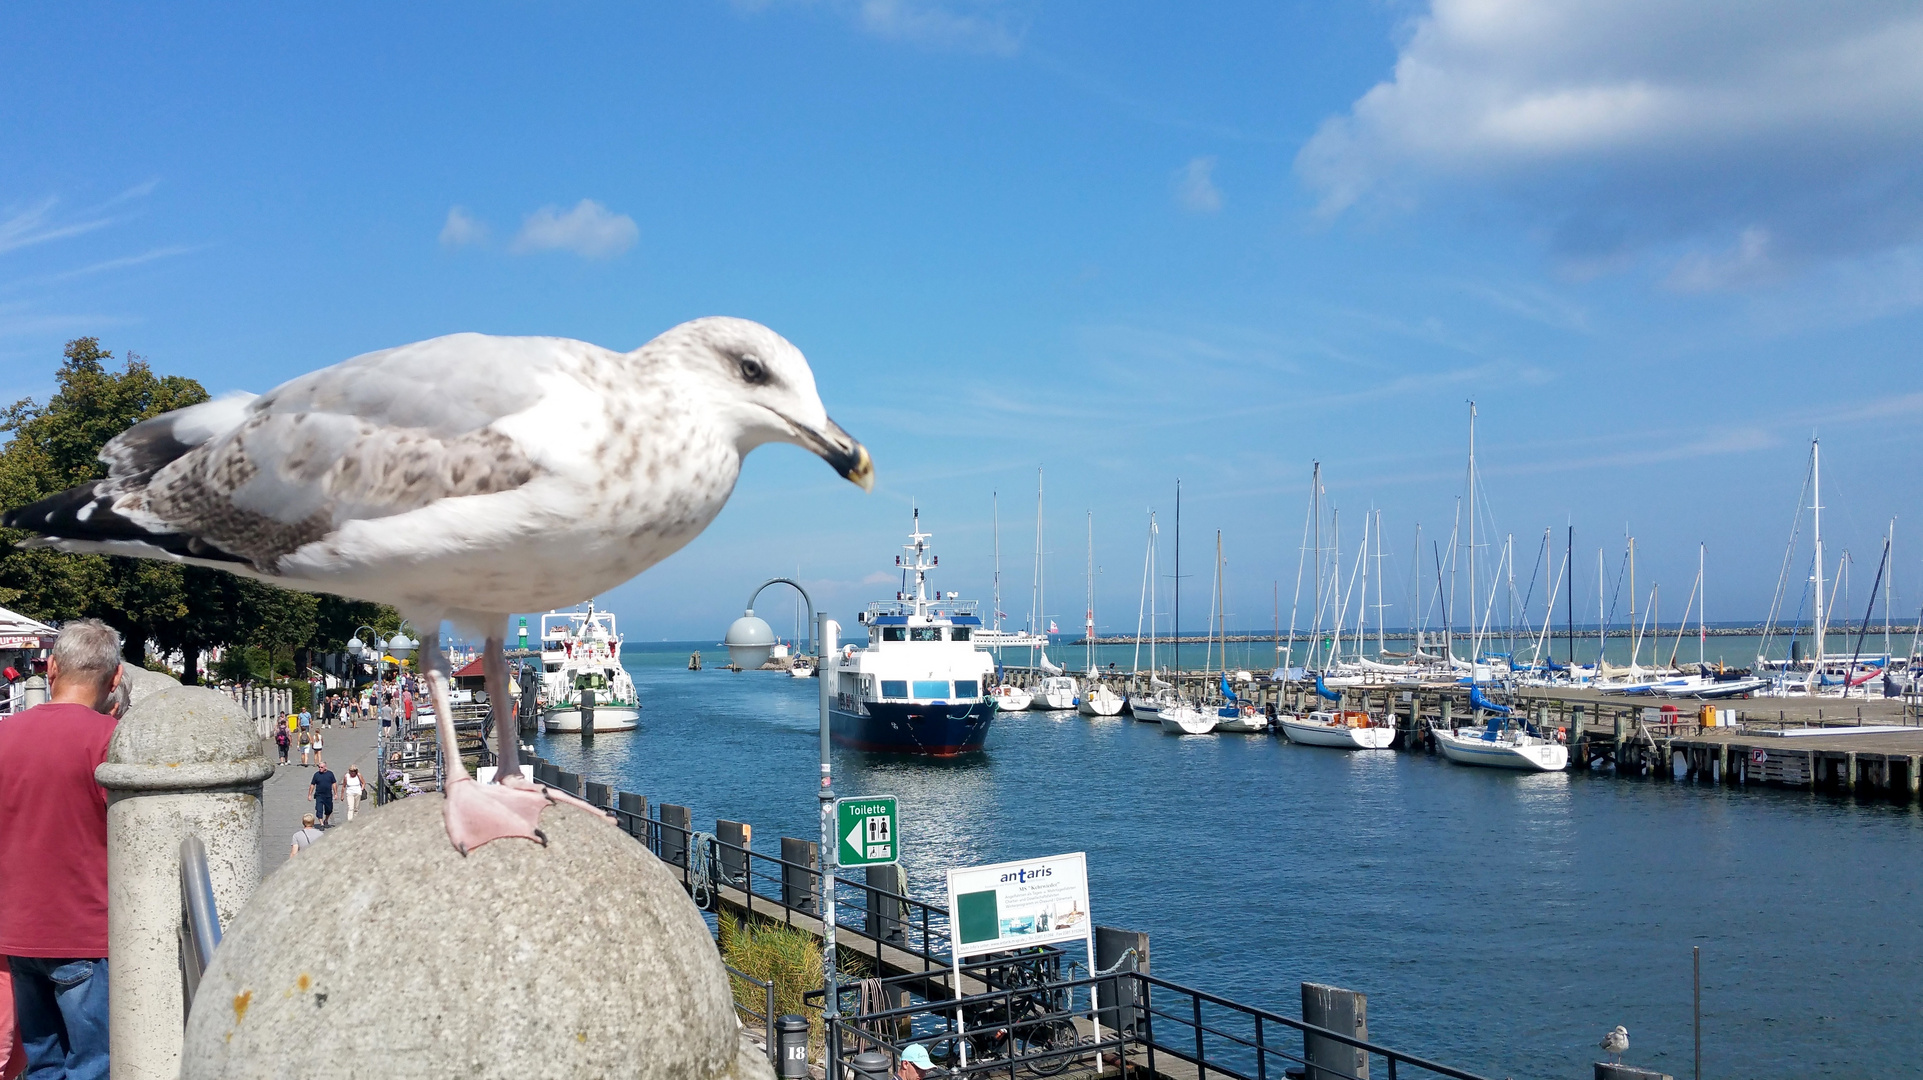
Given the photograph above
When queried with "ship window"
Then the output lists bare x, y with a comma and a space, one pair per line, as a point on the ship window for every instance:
894, 633
931, 688
967, 688
590, 682
961, 633
894, 688
925, 633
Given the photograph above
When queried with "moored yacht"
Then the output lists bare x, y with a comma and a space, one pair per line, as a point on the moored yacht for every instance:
920, 685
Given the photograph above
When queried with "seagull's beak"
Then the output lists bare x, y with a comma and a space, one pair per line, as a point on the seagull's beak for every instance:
838, 448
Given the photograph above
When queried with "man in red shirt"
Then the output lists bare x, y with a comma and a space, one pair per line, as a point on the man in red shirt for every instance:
53, 844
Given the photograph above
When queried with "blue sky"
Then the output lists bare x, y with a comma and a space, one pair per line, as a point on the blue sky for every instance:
1126, 242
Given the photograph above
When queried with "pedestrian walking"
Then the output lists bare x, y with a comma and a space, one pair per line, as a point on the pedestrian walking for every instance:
306, 748
353, 788
321, 789
53, 846
315, 739
280, 741
304, 836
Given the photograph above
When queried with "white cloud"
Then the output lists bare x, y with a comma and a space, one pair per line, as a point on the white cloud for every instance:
1195, 186
462, 229
1769, 133
590, 230
36, 224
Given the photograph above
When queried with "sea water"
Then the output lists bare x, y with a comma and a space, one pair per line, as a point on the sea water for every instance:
1499, 922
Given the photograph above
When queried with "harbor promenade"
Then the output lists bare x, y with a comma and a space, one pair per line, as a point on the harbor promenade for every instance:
284, 796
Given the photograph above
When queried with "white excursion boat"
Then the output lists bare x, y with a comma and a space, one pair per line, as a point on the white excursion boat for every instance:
917, 686
1344, 730
581, 651
1181, 718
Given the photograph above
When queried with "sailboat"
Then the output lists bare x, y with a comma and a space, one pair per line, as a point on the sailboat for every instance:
1498, 744
1177, 716
1056, 690
1007, 696
1096, 698
1233, 715
1146, 703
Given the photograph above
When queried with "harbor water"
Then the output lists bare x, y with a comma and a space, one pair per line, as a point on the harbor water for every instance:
1499, 922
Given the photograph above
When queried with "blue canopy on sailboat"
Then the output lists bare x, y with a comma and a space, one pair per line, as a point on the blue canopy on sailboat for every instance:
1227, 693
1322, 689
1477, 701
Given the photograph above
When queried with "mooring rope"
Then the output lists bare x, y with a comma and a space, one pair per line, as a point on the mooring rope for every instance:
701, 869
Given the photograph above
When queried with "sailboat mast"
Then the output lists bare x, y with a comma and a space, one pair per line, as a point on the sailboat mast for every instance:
995, 501
1475, 637
1702, 606
1889, 543
1602, 624
1088, 613
1221, 616
1816, 507
1178, 583
1568, 560
1381, 637
1315, 511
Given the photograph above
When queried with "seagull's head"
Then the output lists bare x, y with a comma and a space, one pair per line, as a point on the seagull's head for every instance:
759, 381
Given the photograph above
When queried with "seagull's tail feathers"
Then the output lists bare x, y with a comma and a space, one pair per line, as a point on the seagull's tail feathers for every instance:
83, 519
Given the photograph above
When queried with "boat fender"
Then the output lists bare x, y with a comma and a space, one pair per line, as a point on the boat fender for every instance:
847, 652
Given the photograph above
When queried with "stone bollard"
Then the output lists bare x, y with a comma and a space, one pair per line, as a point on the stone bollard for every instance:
183, 760
381, 950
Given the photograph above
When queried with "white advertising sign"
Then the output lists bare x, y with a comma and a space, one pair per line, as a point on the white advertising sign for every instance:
1016, 905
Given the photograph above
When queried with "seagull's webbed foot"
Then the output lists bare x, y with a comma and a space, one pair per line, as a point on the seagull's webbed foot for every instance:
476, 814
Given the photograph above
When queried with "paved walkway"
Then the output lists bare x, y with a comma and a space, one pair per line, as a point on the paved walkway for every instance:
285, 793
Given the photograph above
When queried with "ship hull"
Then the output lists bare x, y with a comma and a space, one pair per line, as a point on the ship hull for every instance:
926, 729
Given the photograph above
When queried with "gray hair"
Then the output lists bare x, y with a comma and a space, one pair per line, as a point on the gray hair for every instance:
87, 649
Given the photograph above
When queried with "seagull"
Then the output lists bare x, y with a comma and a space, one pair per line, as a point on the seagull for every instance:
1616, 1043
459, 479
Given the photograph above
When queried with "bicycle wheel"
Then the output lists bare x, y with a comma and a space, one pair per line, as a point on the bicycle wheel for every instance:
1047, 1045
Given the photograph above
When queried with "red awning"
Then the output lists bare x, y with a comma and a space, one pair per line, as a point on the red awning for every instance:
472, 671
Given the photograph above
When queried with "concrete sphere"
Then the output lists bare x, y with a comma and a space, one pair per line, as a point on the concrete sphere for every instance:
381, 951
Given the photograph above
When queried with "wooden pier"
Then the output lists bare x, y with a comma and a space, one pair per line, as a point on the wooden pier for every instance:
1637, 735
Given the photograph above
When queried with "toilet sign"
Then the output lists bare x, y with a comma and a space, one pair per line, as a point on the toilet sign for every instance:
869, 831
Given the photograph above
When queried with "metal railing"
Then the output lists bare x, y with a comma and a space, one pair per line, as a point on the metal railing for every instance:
199, 917
764, 1016
1157, 1027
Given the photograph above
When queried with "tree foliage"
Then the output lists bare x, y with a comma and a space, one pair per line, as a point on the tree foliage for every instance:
175, 608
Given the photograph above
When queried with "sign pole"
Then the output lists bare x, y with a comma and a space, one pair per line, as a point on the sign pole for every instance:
825, 660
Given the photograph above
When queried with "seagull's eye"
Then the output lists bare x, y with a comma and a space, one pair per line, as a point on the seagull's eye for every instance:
752, 371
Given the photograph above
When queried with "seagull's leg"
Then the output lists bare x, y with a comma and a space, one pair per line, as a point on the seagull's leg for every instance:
473, 813
507, 733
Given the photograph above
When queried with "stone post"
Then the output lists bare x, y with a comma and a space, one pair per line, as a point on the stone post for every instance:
183, 760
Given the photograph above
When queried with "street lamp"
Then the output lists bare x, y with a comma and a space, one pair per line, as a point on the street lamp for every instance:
750, 640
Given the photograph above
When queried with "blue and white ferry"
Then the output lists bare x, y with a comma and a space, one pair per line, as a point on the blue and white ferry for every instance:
921, 685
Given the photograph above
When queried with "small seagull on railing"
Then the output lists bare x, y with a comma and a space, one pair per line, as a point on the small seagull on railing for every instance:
1616, 1043
459, 479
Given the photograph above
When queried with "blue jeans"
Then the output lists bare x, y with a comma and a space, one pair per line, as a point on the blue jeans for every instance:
60, 1007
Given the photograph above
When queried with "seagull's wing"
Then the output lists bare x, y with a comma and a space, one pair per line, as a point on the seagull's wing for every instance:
249, 481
